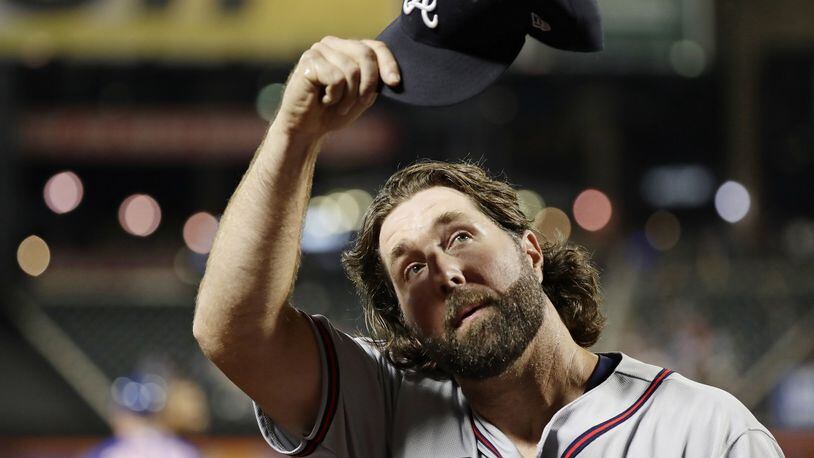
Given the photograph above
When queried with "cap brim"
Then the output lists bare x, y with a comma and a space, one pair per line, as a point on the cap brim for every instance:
432, 76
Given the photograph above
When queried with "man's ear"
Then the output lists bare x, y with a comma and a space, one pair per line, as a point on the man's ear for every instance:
531, 249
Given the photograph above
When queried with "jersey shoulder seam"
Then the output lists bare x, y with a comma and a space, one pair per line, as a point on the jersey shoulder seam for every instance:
636, 369
636, 376
747, 430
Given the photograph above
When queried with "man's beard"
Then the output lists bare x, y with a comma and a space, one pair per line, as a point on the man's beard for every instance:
494, 341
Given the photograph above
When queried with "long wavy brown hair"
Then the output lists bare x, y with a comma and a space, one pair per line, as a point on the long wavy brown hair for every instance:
569, 278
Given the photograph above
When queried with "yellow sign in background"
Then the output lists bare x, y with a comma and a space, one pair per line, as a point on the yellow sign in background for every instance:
183, 29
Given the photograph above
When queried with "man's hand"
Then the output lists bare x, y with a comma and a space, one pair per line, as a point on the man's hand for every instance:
334, 82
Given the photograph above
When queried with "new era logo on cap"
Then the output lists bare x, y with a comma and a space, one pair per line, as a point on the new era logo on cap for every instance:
450, 50
538, 23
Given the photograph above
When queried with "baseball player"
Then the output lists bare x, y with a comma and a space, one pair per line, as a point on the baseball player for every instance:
481, 327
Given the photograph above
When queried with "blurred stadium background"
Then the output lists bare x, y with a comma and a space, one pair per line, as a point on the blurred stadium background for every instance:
682, 156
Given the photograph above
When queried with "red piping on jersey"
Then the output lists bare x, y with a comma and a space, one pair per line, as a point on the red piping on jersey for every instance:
592, 434
333, 390
482, 439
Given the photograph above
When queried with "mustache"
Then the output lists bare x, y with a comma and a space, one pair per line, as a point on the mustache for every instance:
462, 298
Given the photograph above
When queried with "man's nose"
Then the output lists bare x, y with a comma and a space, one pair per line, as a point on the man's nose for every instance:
447, 273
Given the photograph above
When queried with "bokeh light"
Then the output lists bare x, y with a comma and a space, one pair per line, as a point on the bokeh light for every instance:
337, 212
199, 232
678, 185
143, 394
363, 200
732, 201
269, 99
139, 215
530, 202
331, 218
592, 210
33, 255
63, 192
349, 211
553, 223
189, 266
688, 58
663, 230
324, 216
323, 230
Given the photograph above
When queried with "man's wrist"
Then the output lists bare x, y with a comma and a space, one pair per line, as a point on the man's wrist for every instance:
294, 139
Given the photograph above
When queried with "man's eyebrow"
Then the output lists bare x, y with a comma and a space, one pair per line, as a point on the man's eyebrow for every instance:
448, 217
444, 218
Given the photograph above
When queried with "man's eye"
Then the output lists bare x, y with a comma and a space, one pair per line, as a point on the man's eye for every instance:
411, 270
461, 237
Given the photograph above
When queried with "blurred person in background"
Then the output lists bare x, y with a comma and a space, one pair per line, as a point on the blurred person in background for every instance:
482, 329
148, 415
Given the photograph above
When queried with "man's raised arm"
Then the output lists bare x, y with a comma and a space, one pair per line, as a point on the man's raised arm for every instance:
243, 321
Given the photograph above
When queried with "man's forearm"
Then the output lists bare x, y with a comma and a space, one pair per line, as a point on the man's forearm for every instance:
253, 262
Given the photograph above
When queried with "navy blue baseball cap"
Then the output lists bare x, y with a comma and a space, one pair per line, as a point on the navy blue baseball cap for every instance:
451, 50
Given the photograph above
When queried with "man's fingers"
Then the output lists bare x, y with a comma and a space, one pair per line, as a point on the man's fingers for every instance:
326, 75
346, 73
350, 69
365, 58
307, 67
388, 67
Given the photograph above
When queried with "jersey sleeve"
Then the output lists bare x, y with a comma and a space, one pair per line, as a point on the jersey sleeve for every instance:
754, 442
358, 390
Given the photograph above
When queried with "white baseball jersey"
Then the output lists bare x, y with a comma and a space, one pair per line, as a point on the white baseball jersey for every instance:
372, 409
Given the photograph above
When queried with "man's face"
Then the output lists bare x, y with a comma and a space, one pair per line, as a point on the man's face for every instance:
469, 291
